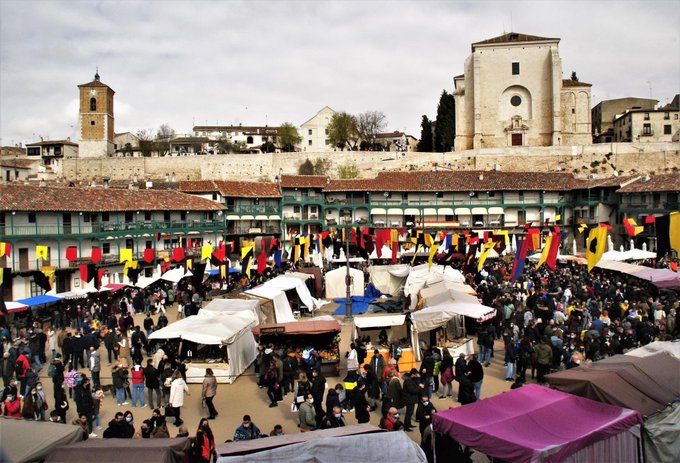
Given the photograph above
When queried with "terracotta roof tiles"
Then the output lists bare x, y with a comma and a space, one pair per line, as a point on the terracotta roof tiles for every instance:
303, 181
52, 198
574, 83
663, 182
512, 37
248, 189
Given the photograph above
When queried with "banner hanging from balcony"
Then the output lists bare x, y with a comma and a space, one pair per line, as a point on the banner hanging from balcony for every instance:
149, 255
247, 252
130, 264
41, 252
667, 234
597, 240
178, 254
5, 249
41, 280
96, 254
488, 246
125, 255
206, 251
71, 253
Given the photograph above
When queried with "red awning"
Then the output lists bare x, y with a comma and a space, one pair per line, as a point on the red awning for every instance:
302, 327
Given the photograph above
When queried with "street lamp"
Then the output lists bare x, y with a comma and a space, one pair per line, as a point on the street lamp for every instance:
348, 278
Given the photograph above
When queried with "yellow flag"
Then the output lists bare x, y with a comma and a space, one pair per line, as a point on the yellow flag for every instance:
582, 228
546, 251
223, 271
674, 231
129, 264
597, 240
190, 264
485, 253
558, 217
433, 252
125, 255
41, 252
206, 251
49, 273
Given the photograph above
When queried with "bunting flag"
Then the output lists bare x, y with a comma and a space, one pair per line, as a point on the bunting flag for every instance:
261, 262
469, 265
551, 261
501, 240
220, 253
667, 234
247, 252
41, 252
130, 264
149, 255
597, 241
49, 272
223, 271
533, 239
91, 272
485, 253
190, 264
71, 253
433, 251
41, 280
83, 272
199, 273
520, 257
545, 252
178, 254
394, 244
650, 219
632, 228
5, 277
133, 275
305, 249
582, 227
125, 255
5, 249
206, 251
277, 258
96, 254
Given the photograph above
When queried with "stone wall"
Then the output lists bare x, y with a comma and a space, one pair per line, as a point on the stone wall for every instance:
601, 160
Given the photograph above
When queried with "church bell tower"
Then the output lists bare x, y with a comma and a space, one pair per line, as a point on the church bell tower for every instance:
96, 119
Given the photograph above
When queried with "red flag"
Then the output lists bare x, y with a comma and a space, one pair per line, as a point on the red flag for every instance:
8, 249
261, 261
650, 219
96, 255
551, 261
178, 254
220, 253
149, 254
71, 253
606, 225
83, 272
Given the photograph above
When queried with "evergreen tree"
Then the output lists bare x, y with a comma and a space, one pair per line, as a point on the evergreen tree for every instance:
425, 143
445, 132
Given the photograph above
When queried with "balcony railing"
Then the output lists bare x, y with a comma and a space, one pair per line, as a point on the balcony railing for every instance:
104, 227
252, 209
303, 198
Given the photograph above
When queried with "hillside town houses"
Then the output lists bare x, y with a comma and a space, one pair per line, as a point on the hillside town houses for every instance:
511, 95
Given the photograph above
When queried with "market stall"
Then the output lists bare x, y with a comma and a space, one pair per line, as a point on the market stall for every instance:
336, 286
322, 336
439, 318
221, 341
389, 279
396, 327
275, 291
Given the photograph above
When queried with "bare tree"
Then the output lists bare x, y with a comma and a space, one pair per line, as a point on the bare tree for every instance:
369, 125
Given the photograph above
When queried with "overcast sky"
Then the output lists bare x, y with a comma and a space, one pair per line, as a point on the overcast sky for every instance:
268, 62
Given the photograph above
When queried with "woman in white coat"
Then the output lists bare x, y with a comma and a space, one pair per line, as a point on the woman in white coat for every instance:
178, 387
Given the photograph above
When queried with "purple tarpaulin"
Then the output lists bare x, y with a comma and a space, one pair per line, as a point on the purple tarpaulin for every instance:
533, 423
661, 278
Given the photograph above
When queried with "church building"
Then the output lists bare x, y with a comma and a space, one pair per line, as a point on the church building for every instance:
512, 93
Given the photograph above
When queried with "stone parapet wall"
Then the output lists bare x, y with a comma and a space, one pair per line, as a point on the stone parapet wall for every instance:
600, 160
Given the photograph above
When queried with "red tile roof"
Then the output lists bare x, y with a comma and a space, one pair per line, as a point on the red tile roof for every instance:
53, 198
52, 142
459, 181
606, 182
248, 189
303, 181
198, 186
663, 182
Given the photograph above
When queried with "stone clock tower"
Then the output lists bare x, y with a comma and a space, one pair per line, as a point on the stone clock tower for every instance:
96, 120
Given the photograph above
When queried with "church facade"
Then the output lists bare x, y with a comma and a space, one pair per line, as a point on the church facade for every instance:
512, 93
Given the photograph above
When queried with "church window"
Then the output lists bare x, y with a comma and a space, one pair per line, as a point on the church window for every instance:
515, 100
93, 104
91, 122
515, 69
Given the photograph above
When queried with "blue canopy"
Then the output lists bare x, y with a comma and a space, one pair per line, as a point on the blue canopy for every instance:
39, 300
216, 271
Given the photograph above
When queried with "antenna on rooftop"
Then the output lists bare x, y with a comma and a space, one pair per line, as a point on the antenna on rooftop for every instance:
511, 29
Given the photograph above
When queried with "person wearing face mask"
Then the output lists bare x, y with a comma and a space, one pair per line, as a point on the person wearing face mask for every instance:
277, 431
392, 422
248, 430
12, 407
203, 447
307, 414
128, 425
334, 419
116, 427
424, 413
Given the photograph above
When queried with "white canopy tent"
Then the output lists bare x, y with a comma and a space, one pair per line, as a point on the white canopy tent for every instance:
388, 279
175, 275
431, 318
143, 282
274, 290
236, 305
420, 276
230, 329
335, 283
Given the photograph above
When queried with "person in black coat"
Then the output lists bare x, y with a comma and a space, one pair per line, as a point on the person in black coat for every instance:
424, 413
409, 395
466, 389
61, 405
116, 428
82, 396
361, 407
332, 398
318, 390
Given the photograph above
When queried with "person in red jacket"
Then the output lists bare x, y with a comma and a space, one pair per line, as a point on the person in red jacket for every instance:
204, 445
137, 377
12, 407
21, 367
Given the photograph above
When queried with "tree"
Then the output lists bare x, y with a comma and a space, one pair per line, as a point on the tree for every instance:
306, 168
146, 142
322, 166
289, 137
164, 136
445, 127
369, 125
127, 149
425, 142
574, 77
268, 147
342, 131
348, 171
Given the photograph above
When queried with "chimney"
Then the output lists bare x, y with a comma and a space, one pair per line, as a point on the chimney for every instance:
174, 179
481, 176
167, 177
106, 182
